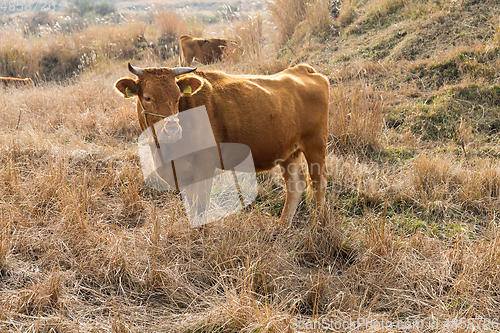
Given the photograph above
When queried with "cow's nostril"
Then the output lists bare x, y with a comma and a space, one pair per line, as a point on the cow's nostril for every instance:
171, 127
171, 132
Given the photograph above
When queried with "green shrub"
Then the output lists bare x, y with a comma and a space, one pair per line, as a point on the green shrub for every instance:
83, 7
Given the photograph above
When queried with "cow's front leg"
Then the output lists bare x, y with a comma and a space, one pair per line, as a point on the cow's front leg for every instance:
197, 199
198, 192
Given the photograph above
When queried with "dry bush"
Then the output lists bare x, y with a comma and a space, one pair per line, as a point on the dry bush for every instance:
15, 54
249, 39
170, 27
347, 13
195, 26
40, 298
91, 107
317, 16
383, 8
442, 182
252, 53
56, 55
489, 177
286, 15
480, 188
169, 24
300, 19
356, 118
433, 178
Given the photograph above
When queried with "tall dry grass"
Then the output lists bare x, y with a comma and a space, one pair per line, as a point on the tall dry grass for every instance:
475, 187
169, 24
247, 41
300, 18
347, 13
249, 51
383, 8
318, 19
356, 118
59, 55
286, 15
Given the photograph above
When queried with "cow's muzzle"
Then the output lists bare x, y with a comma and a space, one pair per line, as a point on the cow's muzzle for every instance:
171, 130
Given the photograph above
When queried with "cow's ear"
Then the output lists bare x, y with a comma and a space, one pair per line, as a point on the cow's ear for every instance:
189, 85
128, 87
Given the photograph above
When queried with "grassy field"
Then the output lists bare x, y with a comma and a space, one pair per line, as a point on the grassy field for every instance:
411, 232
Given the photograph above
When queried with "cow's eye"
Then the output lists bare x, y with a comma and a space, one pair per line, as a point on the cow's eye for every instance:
147, 98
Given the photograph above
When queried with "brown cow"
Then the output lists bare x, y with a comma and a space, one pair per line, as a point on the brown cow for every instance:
204, 50
15, 82
277, 116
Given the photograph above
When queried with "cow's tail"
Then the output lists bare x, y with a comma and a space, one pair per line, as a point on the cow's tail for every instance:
309, 69
303, 68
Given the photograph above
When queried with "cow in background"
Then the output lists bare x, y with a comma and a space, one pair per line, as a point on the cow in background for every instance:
15, 82
203, 50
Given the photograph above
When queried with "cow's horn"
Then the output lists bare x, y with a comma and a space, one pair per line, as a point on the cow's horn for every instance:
135, 70
183, 70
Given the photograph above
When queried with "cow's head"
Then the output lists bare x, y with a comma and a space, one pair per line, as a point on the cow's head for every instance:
158, 91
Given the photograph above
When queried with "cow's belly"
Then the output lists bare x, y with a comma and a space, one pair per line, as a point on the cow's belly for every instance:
270, 144
266, 162
267, 155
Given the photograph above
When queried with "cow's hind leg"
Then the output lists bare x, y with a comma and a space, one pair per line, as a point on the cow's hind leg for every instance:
295, 184
186, 58
315, 157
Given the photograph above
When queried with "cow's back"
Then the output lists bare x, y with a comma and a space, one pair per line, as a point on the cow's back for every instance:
15, 82
204, 50
267, 113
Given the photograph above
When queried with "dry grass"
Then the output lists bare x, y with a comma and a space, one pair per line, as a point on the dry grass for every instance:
58, 55
347, 13
286, 15
383, 8
298, 20
410, 229
317, 19
252, 53
356, 118
169, 24
249, 38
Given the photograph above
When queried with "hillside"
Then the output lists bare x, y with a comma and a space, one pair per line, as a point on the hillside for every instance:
411, 234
